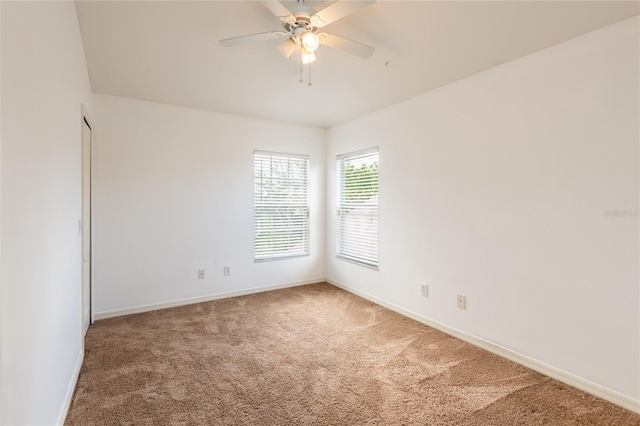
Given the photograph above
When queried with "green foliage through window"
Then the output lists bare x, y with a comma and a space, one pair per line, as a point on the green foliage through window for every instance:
357, 225
361, 182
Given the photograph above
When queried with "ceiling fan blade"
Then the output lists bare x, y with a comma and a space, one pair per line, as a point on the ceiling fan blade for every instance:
337, 10
346, 45
235, 41
279, 10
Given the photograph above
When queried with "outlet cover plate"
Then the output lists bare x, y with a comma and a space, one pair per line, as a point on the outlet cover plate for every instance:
425, 290
462, 301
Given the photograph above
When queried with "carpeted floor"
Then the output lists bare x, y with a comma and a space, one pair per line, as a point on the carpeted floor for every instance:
309, 355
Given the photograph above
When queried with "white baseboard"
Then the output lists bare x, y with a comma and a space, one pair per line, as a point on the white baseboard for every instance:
548, 370
199, 299
66, 403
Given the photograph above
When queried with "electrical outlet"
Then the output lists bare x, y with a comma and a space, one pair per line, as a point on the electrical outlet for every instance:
425, 290
200, 274
462, 301
226, 270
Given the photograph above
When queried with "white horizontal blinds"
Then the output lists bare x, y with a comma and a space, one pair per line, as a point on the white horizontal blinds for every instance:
357, 238
281, 205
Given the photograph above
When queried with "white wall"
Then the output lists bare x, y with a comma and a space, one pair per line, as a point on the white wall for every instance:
496, 187
173, 193
0, 212
44, 82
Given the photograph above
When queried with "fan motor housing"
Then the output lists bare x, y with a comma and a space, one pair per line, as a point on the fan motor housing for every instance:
301, 25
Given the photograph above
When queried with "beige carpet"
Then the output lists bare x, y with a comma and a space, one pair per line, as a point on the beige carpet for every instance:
309, 355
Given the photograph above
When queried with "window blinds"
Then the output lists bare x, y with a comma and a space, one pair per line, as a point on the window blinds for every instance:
281, 205
357, 228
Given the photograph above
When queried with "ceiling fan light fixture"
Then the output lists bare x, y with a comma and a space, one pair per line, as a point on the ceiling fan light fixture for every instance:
307, 57
310, 41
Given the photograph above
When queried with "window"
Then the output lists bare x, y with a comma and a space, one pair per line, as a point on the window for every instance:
357, 238
281, 205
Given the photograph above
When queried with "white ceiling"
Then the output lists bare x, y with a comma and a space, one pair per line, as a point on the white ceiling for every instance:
168, 52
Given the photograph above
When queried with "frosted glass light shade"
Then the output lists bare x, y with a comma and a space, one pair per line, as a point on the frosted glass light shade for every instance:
287, 47
310, 41
307, 57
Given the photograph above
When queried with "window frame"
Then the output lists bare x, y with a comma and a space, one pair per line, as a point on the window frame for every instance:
369, 262
305, 206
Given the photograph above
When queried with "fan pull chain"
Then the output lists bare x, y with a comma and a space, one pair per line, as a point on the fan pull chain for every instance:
302, 66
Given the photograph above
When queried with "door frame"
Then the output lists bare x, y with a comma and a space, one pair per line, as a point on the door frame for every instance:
85, 117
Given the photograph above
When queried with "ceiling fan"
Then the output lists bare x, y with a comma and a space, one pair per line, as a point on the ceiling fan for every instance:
299, 32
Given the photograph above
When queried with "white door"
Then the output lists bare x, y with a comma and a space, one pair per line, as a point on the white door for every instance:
86, 225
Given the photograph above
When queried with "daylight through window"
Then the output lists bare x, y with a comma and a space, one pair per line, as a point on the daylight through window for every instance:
281, 205
357, 236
